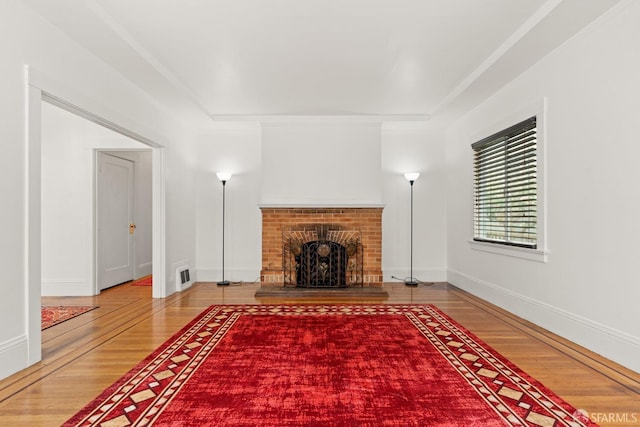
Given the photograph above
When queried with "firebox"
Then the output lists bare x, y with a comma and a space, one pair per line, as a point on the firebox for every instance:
322, 256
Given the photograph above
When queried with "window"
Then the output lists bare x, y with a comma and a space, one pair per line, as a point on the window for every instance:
505, 187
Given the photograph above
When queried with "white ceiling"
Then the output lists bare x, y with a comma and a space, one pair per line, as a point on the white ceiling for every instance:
263, 59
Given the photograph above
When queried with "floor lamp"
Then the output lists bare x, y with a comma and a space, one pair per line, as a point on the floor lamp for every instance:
223, 177
411, 177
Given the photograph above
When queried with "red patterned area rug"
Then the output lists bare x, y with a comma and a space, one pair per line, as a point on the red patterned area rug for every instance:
52, 316
320, 365
143, 281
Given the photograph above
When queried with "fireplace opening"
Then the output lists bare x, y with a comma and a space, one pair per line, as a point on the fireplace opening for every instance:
322, 256
322, 264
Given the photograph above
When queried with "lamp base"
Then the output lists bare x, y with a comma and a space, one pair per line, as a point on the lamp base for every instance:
224, 283
411, 283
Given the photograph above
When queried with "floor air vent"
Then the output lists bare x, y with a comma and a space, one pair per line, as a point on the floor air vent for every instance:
183, 278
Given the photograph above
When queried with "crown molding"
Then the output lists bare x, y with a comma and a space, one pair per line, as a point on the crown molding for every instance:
322, 118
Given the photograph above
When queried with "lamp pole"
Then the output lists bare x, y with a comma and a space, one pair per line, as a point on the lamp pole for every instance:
223, 177
411, 177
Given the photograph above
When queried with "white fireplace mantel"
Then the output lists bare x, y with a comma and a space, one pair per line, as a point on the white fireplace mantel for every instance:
319, 205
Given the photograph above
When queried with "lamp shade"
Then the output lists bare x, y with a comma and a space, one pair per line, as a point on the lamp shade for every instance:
412, 176
223, 176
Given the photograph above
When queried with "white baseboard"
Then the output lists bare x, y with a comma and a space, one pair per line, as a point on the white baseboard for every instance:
13, 356
144, 269
215, 275
423, 275
62, 288
616, 345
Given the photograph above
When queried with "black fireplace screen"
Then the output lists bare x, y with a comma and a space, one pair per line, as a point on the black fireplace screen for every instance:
322, 264
322, 256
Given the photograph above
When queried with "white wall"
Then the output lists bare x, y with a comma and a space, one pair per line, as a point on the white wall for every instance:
587, 291
13, 245
62, 68
321, 164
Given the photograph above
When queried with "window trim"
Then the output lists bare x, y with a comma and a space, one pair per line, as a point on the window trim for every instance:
512, 251
540, 253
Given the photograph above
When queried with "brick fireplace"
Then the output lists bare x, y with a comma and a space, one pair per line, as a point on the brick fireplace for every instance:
367, 221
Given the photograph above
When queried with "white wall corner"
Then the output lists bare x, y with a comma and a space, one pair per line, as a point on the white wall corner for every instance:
144, 269
611, 343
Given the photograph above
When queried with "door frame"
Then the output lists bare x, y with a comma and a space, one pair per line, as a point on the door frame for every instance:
37, 89
157, 188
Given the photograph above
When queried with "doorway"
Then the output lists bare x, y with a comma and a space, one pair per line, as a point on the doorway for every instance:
123, 217
88, 199
35, 83
115, 223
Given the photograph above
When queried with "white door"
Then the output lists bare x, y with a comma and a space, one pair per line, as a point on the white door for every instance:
115, 220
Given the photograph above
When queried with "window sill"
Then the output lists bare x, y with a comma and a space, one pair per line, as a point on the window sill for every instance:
512, 251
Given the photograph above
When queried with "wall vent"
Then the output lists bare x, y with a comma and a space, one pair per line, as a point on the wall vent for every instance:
183, 278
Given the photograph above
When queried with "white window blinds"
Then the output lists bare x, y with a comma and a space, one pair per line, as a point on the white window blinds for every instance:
505, 186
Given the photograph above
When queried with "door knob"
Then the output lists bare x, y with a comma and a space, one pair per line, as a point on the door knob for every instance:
132, 228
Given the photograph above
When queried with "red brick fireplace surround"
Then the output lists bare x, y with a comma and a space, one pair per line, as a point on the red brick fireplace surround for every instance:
367, 220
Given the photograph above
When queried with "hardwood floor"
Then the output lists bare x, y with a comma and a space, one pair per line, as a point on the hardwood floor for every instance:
84, 355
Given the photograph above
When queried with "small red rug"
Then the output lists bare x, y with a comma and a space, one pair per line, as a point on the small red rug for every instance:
317, 365
143, 281
54, 315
